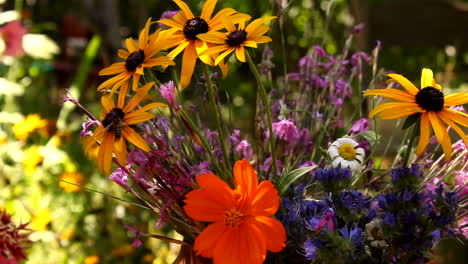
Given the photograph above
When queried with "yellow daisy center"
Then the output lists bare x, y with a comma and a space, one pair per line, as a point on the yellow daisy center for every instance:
134, 60
430, 99
347, 151
195, 26
233, 217
113, 121
236, 38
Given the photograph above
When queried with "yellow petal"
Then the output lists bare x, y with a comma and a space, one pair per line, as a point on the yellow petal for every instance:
228, 24
424, 135
224, 68
131, 46
134, 138
240, 53
216, 23
213, 37
171, 23
138, 97
113, 69
460, 132
441, 134
455, 99
404, 82
137, 117
215, 49
262, 39
122, 54
122, 95
105, 153
386, 115
207, 10
457, 116
120, 151
223, 55
252, 43
179, 49
395, 106
107, 103
426, 78
183, 6
189, 60
391, 93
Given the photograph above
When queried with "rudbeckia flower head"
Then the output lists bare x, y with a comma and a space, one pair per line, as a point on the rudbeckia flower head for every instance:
237, 38
115, 128
138, 56
430, 103
243, 229
183, 32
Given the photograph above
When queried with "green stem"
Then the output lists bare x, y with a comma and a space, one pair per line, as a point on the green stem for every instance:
263, 95
204, 144
410, 145
217, 114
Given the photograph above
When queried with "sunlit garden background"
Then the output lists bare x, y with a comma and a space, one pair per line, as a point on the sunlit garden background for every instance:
51, 48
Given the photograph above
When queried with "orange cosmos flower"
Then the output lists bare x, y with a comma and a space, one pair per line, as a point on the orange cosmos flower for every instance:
243, 229
183, 31
137, 57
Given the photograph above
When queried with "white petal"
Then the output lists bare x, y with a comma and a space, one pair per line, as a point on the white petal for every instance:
360, 151
336, 162
333, 152
345, 164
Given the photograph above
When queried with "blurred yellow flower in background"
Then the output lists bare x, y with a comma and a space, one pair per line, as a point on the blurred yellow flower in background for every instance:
73, 177
28, 125
123, 250
94, 259
41, 220
3, 137
31, 158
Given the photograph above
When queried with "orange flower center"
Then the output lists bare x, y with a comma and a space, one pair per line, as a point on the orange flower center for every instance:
233, 217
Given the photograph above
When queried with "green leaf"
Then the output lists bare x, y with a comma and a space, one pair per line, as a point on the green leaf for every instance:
293, 176
371, 137
410, 120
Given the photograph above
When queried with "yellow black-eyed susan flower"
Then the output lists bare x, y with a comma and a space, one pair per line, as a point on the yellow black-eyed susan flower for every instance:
115, 128
237, 38
137, 57
183, 32
430, 103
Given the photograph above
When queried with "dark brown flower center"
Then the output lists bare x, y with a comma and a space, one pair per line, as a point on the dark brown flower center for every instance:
134, 60
236, 38
430, 99
113, 121
195, 26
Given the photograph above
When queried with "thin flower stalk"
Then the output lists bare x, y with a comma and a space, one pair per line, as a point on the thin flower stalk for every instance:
263, 96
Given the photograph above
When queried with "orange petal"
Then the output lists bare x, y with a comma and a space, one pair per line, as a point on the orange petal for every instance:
208, 239
245, 177
120, 151
273, 231
115, 68
240, 53
266, 201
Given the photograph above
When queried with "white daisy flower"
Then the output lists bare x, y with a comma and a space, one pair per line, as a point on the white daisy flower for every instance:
345, 154
374, 233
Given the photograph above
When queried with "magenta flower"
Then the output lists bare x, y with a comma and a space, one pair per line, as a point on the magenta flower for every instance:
286, 130
12, 33
361, 125
168, 92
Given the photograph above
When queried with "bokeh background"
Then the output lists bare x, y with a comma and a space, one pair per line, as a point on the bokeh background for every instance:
49, 48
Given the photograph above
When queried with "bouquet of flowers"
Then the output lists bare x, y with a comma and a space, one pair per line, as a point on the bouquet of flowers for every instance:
313, 181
